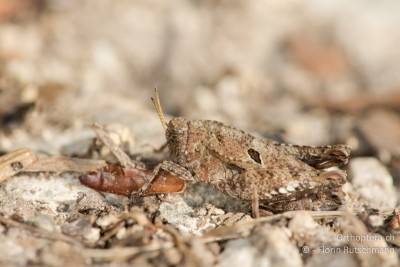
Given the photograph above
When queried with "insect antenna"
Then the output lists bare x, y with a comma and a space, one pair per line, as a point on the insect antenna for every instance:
158, 108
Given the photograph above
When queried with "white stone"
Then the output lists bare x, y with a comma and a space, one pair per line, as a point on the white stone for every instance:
372, 182
282, 190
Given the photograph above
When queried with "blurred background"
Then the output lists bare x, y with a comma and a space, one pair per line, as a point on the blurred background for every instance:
305, 72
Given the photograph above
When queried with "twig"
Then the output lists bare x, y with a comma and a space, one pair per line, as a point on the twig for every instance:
122, 157
38, 231
191, 258
242, 229
111, 233
24, 160
15, 162
123, 253
64, 164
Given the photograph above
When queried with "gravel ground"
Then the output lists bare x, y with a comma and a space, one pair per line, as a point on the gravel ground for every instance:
301, 72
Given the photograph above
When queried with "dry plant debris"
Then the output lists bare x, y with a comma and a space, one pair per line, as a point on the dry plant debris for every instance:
311, 73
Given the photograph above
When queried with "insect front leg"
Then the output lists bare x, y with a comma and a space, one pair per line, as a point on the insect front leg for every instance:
171, 167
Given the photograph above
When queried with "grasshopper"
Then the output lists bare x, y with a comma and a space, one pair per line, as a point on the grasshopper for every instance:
274, 176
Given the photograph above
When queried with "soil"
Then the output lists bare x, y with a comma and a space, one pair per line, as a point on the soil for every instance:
307, 73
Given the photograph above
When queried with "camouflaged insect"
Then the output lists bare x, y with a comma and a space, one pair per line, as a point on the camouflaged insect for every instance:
285, 177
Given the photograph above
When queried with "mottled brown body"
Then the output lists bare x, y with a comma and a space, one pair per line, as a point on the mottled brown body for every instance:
286, 177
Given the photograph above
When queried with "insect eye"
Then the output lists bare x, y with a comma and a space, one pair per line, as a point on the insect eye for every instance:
177, 132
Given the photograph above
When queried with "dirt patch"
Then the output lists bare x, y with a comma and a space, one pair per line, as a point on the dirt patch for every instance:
302, 73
